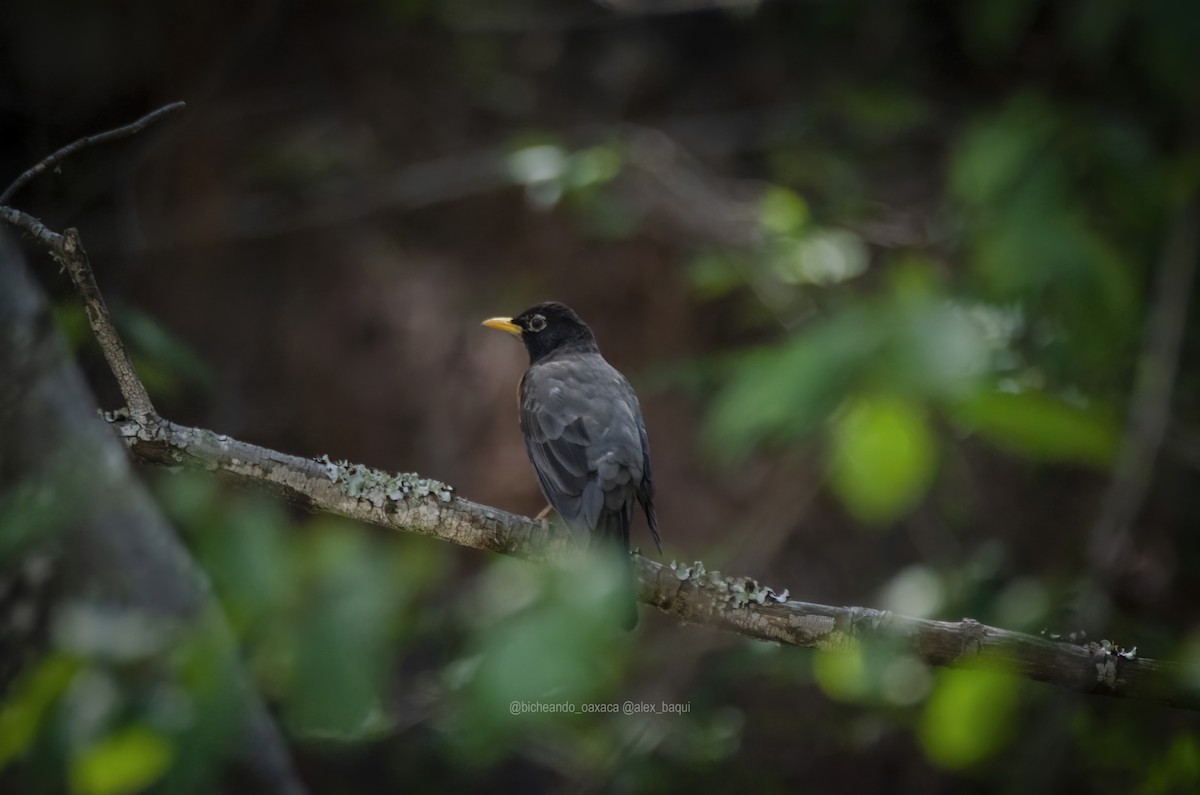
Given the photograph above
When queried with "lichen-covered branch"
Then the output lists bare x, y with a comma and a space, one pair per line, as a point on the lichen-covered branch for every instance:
72, 256
414, 504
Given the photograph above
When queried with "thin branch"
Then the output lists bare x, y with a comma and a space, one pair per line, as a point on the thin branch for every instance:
89, 140
43, 234
67, 250
413, 504
1150, 404
72, 256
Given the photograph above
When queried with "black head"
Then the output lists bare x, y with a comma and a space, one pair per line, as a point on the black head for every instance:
547, 328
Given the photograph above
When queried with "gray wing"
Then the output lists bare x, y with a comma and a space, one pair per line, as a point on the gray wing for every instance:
582, 429
645, 492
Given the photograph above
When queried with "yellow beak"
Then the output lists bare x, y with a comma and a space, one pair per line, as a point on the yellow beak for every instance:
504, 324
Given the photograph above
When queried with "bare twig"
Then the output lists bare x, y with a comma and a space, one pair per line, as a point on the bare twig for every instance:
86, 141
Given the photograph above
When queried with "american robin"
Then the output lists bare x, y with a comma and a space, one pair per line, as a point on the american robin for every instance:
583, 430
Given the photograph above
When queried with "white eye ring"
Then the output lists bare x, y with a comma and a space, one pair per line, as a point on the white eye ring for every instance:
537, 323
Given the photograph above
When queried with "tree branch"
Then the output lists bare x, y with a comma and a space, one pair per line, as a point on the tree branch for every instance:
54, 159
413, 504
67, 249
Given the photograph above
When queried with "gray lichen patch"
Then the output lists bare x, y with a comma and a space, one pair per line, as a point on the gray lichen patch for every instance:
376, 486
1106, 656
739, 591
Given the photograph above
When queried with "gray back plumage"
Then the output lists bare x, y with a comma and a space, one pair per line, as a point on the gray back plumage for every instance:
587, 441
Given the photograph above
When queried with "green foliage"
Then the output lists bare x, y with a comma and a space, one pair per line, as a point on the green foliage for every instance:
1029, 362
543, 636
165, 363
1178, 770
871, 674
881, 457
344, 636
1042, 427
28, 701
970, 716
712, 274
779, 394
842, 672
109, 710
874, 370
125, 762
1052, 226
1150, 760
783, 212
323, 611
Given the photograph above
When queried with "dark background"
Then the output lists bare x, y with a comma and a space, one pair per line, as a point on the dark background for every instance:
880, 273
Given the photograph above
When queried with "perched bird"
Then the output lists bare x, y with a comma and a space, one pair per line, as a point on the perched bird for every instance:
583, 430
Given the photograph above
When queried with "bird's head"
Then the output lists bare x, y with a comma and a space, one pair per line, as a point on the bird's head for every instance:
546, 328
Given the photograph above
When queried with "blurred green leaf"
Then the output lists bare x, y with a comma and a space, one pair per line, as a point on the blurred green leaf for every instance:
1055, 198
165, 362
785, 392
842, 672
820, 257
28, 700
969, 717
1042, 426
782, 211
204, 713
247, 558
72, 322
343, 650
546, 636
593, 166
998, 152
884, 111
712, 274
881, 457
125, 762
1178, 770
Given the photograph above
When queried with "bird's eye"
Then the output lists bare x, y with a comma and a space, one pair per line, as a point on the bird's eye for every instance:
537, 323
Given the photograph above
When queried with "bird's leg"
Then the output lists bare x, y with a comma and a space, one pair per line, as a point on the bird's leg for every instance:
542, 517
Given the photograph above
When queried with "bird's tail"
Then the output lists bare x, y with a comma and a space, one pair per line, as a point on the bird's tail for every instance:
612, 537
